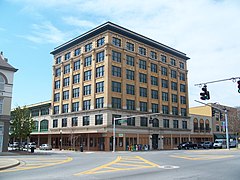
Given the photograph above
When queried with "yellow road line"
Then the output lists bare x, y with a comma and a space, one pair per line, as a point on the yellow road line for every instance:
148, 162
41, 166
204, 157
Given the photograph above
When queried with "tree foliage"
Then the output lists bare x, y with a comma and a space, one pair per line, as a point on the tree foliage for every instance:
21, 123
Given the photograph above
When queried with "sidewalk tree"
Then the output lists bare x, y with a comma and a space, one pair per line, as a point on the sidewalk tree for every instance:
21, 123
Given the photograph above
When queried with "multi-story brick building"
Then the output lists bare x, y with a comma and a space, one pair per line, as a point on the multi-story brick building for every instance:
112, 72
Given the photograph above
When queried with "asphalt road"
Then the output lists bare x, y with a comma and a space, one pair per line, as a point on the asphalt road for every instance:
183, 164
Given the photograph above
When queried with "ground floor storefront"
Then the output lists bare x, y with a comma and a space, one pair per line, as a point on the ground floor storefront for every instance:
124, 141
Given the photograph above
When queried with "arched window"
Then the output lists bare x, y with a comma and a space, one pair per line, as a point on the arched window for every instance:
201, 125
195, 125
2, 82
44, 125
207, 125
155, 122
35, 128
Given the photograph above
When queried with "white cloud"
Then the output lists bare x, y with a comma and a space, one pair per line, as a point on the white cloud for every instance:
73, 21
45, 32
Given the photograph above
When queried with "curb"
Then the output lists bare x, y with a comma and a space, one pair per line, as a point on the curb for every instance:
10, 166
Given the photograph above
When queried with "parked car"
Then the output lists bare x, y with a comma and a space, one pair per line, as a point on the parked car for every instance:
15, 144
45, 147
219, 143
208, 145
187, 145
200, 145
232, 144
31, 144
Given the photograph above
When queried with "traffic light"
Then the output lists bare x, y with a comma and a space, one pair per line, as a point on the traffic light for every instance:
238, 86
205, 94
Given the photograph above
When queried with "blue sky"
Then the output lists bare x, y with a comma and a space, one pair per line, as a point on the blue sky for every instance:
206, 30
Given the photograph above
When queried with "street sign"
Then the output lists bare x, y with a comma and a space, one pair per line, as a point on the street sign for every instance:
120, 135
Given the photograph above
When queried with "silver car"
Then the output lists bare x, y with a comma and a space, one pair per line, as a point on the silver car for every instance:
45, 147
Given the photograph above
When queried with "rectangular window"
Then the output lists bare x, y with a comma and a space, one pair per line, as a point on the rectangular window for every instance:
99, 87
173, 74
100, 57
182, 77
143, 106
87, 90
130, 89
154, 94
154, 68
88, 61
74, 121
174, 86
66, 82
166, 123
130, 104
99, 102
100, 71
130, 74
58, 60
67, 69
181, 64
130, 46
183, 99
86, 105
76, 78
77, 52
131, 121
184, 124
75, 106
87, 75
58, 72
100, 41
116, 42
163, 58
56, 110
88, 47
65, 95
155, 108
130, 60
174, 98
175, 123
143, 92
165, 109
144, 121
116, 56
116, 103
173, 62
55, 123
116, 86
164, 83
182, 88
67, 56
1, 106
98, 119
174, 110
65, 108
117, 122
142, 78
116, 71
142, 51
164, 96
153, 55
154, 81
164, 71
56, 97
86, 120
75, 93
64, 122
142, 64
76, 65
183, 112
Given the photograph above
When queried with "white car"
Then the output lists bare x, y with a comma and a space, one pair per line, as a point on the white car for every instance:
31, 144
219, 143
45, 147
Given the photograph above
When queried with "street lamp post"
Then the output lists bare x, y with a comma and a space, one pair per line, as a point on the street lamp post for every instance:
226, 124
60, 140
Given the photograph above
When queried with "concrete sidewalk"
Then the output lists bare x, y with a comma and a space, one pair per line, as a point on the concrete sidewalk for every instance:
6, 163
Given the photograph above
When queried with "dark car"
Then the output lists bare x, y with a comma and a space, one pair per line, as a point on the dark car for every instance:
187, 145
208, 145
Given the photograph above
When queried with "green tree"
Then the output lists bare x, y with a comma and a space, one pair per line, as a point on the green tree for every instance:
21, 123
